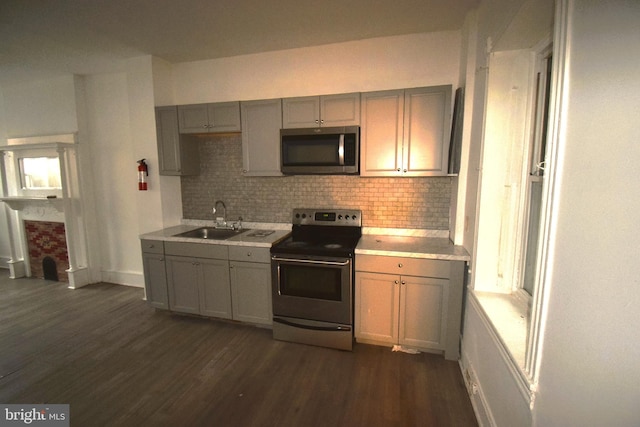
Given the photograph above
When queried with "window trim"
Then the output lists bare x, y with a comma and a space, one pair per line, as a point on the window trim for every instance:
554, 154
529, 372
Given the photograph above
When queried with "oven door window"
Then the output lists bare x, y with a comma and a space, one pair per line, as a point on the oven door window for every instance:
315, 282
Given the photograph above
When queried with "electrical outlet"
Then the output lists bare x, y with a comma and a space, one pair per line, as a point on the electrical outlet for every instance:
470, 380
474, 388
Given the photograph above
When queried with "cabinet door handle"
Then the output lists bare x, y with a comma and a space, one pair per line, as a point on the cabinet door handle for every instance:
399, 265
404, 283
396, 282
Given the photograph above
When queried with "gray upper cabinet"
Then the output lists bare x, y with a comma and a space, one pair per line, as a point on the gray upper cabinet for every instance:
381, 133
427, 126
261, 122
328, 110
177, 154
209, 118
406, 132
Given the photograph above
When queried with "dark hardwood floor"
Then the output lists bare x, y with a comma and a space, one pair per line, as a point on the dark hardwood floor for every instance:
118, 362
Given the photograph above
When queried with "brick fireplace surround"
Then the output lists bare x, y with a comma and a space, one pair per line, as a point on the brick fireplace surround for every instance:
47, 239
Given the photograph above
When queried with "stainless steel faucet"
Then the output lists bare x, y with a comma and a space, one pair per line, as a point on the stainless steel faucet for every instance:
221, 221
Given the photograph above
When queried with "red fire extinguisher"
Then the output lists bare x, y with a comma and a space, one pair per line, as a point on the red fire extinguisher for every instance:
143, 173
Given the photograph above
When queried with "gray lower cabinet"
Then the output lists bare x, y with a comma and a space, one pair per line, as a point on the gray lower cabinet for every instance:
155, 276
228, 282
250, 269
183, 277
199, 286
198, 279
409, 301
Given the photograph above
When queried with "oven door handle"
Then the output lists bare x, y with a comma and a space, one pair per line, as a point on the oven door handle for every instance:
313, 328
310, 261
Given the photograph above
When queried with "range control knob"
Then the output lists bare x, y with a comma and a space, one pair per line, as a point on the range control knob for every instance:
353, 217
339, 216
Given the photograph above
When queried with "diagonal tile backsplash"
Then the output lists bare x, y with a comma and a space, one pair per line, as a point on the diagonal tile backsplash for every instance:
385, 202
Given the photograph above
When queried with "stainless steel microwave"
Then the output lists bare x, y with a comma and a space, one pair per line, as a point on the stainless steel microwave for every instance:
316, 151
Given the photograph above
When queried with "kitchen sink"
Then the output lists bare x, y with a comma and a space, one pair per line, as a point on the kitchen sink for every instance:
211, 233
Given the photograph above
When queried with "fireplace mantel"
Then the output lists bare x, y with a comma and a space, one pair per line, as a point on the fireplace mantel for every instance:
20, 203
65, 207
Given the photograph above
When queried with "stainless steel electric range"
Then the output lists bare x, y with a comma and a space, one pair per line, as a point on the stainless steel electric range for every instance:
312, 278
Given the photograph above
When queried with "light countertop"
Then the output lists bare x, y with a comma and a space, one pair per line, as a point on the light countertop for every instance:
411, 246
243, 239
386, 242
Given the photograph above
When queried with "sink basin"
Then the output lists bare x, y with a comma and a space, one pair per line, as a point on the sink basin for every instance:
211, 233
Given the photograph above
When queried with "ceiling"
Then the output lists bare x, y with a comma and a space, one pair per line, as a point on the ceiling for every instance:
45, 37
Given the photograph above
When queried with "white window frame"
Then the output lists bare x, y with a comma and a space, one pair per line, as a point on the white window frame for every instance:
503, 308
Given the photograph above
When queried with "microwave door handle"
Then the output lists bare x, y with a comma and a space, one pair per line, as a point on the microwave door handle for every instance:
341, 149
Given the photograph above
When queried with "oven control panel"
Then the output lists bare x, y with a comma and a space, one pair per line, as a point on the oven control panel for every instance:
331, 217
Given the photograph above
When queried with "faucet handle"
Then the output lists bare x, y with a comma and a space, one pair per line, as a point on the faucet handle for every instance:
238, 224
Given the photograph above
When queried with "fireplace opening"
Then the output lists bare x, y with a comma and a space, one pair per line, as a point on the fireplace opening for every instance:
50, 269
47, 239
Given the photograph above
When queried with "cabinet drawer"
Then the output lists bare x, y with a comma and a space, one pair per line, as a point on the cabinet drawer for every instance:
152, 246
198, 250
249, 253
403, 266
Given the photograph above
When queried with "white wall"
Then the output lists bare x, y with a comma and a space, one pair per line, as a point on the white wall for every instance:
360, 66
122, 130
5, 250
590, 375
588, 369
43, 107
114, 175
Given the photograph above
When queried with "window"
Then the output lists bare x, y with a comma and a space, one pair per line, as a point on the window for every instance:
40, 173
512, 197
535, 177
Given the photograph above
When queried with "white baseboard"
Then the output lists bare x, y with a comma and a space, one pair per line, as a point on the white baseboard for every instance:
4, 262
478, 401
123, 278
